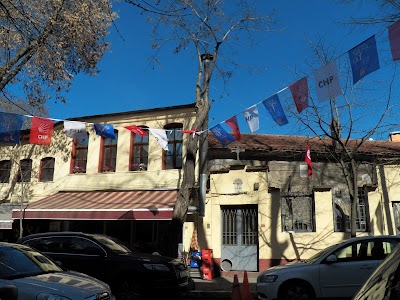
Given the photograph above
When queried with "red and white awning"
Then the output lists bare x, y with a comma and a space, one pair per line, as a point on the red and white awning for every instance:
102, 205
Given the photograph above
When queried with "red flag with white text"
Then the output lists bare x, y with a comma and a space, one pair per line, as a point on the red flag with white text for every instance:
136, 130
41, 131
308, 161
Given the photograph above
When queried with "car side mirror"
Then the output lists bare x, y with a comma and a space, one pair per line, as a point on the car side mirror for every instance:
331, 259
9, 292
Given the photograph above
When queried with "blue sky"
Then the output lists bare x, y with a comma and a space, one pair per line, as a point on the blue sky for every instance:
128, 82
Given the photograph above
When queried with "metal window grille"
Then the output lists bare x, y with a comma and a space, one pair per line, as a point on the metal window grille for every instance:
229, 230
249, 227
298, 212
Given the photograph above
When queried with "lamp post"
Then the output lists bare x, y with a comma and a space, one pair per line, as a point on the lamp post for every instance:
207, 59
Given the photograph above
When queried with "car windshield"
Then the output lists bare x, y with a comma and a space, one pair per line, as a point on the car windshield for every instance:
318, 255
23, 262
112, 243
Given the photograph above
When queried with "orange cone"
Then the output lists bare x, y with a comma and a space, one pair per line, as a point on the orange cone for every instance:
246, 294
236, 294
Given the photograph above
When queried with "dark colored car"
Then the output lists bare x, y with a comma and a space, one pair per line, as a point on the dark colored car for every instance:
384, 283
130, 275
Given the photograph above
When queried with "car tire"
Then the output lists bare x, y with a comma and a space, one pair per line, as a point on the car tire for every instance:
127, 290
296, 291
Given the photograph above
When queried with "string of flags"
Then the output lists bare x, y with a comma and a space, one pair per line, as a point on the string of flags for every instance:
363, 61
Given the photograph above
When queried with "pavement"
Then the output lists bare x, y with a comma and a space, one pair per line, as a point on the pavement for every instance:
221, 286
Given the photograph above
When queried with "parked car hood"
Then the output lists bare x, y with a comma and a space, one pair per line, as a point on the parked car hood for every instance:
62, 283
290, 265
153, 258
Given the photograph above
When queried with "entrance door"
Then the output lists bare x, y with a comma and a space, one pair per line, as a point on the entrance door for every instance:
239, 238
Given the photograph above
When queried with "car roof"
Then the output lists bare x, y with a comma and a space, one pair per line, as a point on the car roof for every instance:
58, 233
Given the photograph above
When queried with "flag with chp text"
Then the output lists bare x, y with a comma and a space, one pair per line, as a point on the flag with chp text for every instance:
41, 131
327, 82
394, 40
136, 130
10, 127
75, 130
222, 135
274, 107
104, 130
308, 161
233, 124
299, 91
161, 137
251, 117
364, 59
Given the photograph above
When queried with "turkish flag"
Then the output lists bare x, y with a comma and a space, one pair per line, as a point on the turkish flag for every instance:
41, 131
308, 161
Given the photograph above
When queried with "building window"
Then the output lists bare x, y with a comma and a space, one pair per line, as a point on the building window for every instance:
173, 156
139, 153
342, 210
5, 171
46, 169
298, 212
109, 154
79, 155
24, 170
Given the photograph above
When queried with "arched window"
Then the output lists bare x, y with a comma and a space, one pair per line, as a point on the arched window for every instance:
5, 171
46, 169
172, 157
79, 155
139, 152
24, 170
109, 153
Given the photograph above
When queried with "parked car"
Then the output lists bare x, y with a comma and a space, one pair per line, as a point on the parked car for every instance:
129, 274
30, 275
337, 271
384, 283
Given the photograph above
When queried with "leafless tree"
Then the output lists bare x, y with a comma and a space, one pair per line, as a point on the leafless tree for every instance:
206, 28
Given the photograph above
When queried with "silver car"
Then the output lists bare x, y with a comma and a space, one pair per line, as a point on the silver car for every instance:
337, 271
37, 277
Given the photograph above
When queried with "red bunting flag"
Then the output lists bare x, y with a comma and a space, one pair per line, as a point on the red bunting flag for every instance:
136, 130
308, 161
233, 124
394, 39
299, 91
188, 131
41, 131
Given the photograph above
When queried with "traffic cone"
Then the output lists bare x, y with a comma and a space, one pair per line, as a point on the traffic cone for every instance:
236, 294
246, 294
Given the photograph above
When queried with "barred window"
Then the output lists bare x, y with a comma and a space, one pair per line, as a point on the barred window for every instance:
298, 212
342, 210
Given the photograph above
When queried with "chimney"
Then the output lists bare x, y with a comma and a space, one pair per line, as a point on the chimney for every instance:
394, 136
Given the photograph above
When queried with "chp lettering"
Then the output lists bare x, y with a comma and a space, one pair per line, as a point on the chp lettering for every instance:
325, 82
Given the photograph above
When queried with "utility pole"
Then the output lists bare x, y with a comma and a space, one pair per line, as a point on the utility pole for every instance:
207, 59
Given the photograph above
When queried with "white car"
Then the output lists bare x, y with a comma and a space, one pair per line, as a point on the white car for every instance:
37, 277
337, 271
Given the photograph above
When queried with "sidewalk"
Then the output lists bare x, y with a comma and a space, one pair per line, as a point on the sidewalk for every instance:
221, 287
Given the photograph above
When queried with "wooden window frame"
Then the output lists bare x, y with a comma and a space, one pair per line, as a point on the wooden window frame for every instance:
140, 162
108, 144
47, 169
173, 143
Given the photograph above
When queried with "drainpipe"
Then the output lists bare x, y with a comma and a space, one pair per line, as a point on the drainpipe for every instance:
203, 167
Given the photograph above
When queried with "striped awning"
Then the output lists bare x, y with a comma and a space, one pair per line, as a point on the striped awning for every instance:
102, 205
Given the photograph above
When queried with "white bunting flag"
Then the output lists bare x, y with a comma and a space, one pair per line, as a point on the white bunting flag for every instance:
161, 137
251, 117
327, 82
75, 130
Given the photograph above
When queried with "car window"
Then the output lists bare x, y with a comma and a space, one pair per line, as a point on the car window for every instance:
79, 245
51, 244
376, 249
15, 262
